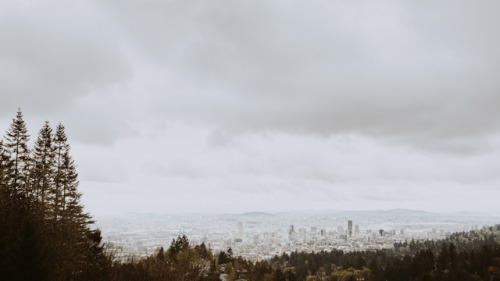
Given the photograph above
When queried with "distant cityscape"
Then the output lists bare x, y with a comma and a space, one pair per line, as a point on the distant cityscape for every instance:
258, 236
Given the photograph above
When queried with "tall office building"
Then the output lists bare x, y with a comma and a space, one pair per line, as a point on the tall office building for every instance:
240, 229
302, 234
340, 230
356, 229
291, 233
349, 228
256, 239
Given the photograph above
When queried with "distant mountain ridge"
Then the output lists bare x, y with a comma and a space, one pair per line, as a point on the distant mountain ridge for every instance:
377, 212
257, 214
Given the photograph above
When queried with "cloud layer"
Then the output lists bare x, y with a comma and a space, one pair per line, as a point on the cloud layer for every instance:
270, 99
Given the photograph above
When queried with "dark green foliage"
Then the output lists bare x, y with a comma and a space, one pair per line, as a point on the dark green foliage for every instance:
161, 255
23, 251
224, 258
278, 275
178, 245
16, 146
290, 276
44, 233
5, 164
188, 263
202, 250
42, 172
422, 262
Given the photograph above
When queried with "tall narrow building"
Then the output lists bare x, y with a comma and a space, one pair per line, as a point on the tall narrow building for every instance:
302, 234
291, 233
240, 229
349, 228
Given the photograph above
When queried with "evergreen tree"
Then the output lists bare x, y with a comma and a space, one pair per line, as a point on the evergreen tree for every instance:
66, 182
60, 148
4, 166
17, 148
43, 170
23, 248
44, 232
443, 258
278, 275
160, 256
77, 246
178, 245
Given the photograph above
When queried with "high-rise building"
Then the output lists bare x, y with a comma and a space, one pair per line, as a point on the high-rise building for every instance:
240, 229
256, 239
356, 229
291, 233
340, 230
302, 234
349, 228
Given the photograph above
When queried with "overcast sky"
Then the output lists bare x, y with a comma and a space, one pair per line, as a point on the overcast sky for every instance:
234, 106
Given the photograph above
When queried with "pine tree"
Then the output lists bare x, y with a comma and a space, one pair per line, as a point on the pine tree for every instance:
43, 170
44, 232
4, 166
71, 208
66, 181
60, 148
71, 223
17, 148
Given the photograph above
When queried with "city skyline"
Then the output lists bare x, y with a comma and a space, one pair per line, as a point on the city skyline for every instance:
238, 106
259, 236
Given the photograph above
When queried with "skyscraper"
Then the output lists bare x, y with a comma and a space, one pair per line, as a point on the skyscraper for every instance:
240, 229
302, 234
291, 233
349, 228
340, 230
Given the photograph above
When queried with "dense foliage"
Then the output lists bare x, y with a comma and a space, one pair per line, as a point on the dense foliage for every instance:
45, 235
473, 255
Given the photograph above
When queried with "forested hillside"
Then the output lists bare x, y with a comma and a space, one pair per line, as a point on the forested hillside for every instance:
46, 235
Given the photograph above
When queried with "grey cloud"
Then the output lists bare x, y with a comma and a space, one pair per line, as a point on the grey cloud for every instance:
322, 101
420, 72
328, 69
53, 52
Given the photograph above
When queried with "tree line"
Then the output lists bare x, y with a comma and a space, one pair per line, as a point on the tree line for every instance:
44, 232
471, 255
46, 235
463, 256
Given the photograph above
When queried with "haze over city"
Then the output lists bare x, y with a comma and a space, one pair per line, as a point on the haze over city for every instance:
237, 106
